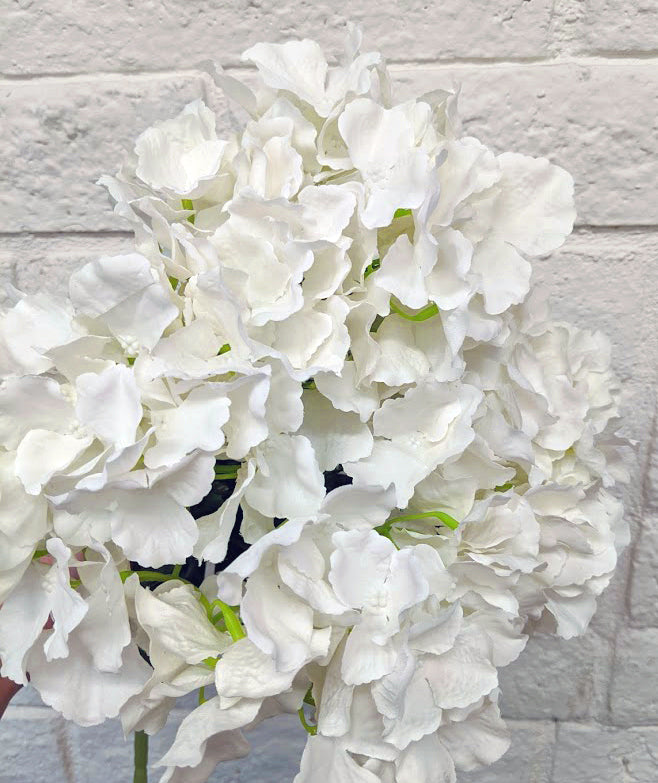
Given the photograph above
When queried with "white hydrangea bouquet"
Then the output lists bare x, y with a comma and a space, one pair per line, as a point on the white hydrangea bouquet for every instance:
314, 446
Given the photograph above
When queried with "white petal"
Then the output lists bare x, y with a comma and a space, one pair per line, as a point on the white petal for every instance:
247, 426
224, 746
335, 707
41, 454
204, 722
534, 210
469, 168
151, 528
302, 567
364, 660
74, 687
360, 566
22, 517
245, 671
390, 463
289, 483
336, 437
477, 741
109, 404
67, 606
280, 624
504, 274
344, 392
335, 762
106, 629
179, 153
426, 761
437, 635
32, 402
175, 619
246, 564
299, 67
284, 408
22, 617
122, 292
365, 735
197, 423
401, 359
29, 329
572, 614
328, 209
381, 144
215, 529
359, 507
188, 482
464, 674
420, 714
400, 274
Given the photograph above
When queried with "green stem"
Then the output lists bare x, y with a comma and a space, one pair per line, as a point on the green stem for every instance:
141, 757
446, 519
313, 730
228, 476
308, 699
188, 204
233, 625
151, 576
422, 315
227, 471
373, 267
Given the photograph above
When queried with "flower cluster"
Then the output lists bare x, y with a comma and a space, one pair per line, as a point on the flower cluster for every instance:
315, 441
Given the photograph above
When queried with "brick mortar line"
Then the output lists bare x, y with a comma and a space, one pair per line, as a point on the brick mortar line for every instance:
41, 712
554, 747
580, 230
39, 235
644, 482
63, 740
645, 488
591, 60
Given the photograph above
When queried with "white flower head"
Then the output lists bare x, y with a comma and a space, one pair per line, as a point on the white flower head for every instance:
315, 440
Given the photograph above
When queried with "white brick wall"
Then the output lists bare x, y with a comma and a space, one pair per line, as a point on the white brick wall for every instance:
576, 80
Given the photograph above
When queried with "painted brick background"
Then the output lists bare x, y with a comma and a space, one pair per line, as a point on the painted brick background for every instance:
575, 80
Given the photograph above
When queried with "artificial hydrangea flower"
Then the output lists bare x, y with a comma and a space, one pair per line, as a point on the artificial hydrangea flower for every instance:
315, 441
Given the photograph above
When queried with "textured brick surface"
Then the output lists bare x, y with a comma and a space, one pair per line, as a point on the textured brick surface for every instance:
100, 35
643, 602
612, 25
277, 745
576, 80
60, 135
605, 755
558, 679
34, 747
162, 34
47, 263
596, 118
634, 687
528, 760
